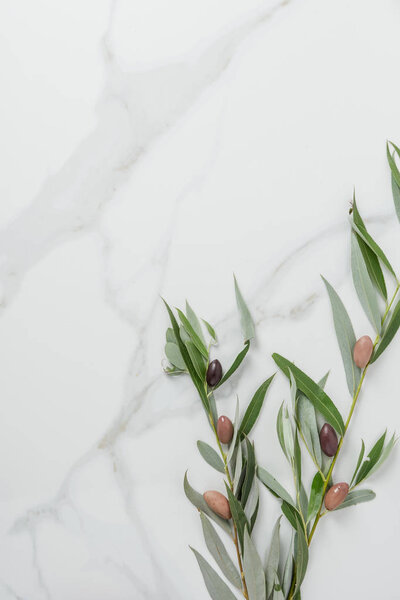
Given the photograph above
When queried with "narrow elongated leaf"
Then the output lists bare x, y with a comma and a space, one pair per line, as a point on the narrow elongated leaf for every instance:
211, 456
301, 557
216, 587
314, 504
252, 501
395, 178
235, 365
307, 423
174, 355
254, 408
197, 360
365, 236
245, 317
385, 454
219, 553
314, 393
238, 515
250, 473
272, 564
288, 569
238, 469
198, 501
389, 333
345, 336
359, 461
253, 570
211, 331
194, 337
194, 321
297, 468
188, 362
371, 460
396, 197
363, 284
274, 486
235, 433
357, 497
213, 409
279, 428
291, 514
288, 439
373, 267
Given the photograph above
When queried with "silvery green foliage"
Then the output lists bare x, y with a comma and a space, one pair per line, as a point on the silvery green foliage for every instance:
189, 349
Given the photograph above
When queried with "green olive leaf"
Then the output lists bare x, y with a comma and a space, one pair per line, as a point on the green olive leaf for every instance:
253, 570
314, 503
385, 454
272, 563
363, 285
389, 333
356, 497
188, 362
211, 456
250, 473
371, 460
254, 408
288, 569
245, 317
238, 469
219, 553
359, 461
211, 331
235, 433
301, 558
314, 393
216, 587
174, 355
197, 341
395, 177
238, 514
345, 336
361, 230
235, 365
197, 360
198, 501
274, 486
194, 321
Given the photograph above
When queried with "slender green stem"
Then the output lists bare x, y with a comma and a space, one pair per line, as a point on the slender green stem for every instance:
230, 482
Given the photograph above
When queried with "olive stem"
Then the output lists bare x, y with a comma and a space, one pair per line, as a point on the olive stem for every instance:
230, 482
353, 405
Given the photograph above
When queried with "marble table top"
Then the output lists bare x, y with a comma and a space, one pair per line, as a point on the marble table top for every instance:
154, 148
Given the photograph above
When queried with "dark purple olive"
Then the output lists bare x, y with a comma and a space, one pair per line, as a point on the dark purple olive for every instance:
328, 440
214, 373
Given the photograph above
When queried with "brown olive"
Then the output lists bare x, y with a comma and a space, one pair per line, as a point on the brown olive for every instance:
362, 351
218, 503
328, 440
336, 495
224, 429
214, 373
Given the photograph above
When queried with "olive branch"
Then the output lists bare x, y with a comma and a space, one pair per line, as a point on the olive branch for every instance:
309, 421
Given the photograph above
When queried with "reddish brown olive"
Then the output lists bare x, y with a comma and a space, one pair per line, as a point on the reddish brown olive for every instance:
328, 440
218, 503
224, 429
362, 351
336, 495
214, 373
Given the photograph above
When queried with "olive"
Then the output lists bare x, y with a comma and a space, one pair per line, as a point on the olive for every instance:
328, 440
218, 503
214, 372
336, 495
224, 429
362, 351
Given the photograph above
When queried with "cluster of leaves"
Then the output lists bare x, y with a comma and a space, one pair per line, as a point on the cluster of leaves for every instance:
298, 424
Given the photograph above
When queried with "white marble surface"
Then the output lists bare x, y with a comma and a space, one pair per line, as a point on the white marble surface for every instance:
153, 148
